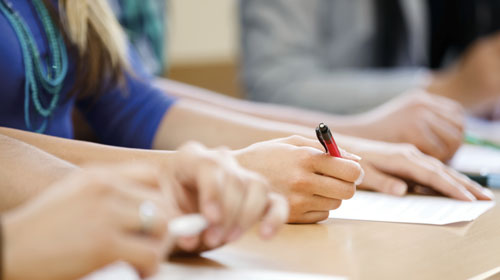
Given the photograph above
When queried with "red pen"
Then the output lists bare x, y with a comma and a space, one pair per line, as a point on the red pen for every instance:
325, 137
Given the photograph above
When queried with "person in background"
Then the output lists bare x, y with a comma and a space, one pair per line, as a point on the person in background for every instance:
347, 57
82, 219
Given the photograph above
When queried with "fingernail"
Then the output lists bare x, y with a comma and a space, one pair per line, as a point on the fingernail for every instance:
212, 212
214, 236
399, 189
360, 178
235, 234
266, 231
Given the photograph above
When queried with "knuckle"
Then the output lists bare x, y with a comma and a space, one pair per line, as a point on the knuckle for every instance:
409, 150
296, 202
295, 139
298, 182
350, 191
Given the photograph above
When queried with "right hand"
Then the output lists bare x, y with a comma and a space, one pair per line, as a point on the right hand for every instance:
313, 182
86, 221
232, 199
434, 124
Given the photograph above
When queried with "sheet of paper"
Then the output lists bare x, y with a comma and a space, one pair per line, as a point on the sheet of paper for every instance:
370, 206
476, 159
185, 272
114, 271
172, 271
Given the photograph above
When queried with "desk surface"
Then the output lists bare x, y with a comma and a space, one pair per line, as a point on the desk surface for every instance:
370, 250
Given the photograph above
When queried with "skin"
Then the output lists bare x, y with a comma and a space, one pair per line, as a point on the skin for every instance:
44, 169
438, 132
473, 81
89, 218
299, 156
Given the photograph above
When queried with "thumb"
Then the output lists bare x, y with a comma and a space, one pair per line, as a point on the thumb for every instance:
376, 180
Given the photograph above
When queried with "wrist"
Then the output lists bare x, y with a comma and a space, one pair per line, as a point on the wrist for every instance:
447, 85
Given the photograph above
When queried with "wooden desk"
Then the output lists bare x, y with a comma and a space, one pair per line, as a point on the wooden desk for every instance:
370, 250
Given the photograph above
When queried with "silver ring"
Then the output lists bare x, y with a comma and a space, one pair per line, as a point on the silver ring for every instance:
147, 213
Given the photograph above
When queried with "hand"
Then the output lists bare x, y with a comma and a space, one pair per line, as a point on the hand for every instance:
388, 167
231, 198
473, 81
433, 124
314, 183
85, 221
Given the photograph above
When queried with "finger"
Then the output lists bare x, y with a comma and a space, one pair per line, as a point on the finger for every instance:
451, 109
254, 205
313, 217
429, 142
330, 187
144, 254
320, 203
275, 216
343, 169
376, 180
127, 215
234, 195
431, 172
188, 243
448, 134
347, 155
477, 190
210, 181
456, 118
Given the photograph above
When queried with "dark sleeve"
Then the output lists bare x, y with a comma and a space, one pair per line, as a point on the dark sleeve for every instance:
129, 115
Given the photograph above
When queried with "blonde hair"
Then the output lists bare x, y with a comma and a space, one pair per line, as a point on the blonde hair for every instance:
96, 42
78, 16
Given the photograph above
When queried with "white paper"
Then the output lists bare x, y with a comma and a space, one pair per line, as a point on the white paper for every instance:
171, 271
174, 271
415, 209
115, 271
476, 159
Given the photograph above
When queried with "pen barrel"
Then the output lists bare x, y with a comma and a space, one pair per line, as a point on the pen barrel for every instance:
332, 148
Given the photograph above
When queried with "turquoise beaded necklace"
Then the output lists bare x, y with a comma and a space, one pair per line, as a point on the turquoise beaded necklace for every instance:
42, 77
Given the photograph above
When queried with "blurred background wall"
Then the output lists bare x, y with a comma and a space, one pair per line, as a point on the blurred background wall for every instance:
204, 44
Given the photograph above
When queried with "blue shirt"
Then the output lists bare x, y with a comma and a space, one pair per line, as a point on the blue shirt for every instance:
125, 116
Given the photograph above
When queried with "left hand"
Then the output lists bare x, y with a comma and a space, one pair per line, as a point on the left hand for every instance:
387, 166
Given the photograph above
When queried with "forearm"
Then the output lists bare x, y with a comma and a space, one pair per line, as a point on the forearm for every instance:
215, 126
268, 111
81, 152
26, 171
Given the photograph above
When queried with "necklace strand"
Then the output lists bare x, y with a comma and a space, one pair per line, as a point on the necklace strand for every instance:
40, 76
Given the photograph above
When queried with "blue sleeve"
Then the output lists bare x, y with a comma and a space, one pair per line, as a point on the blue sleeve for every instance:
129, 115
